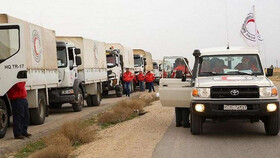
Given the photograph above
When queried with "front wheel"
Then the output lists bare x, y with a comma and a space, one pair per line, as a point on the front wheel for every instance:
78, 106
196, 124
38, 115
4, 118
271, 124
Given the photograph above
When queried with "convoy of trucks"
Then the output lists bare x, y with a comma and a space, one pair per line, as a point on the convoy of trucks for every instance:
56, 70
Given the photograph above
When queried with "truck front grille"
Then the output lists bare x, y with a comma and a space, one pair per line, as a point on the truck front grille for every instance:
235, 92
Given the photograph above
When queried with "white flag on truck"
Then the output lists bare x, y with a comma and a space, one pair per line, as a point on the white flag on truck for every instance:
249, 30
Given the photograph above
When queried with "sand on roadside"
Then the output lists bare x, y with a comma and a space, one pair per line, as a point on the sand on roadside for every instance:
136, 138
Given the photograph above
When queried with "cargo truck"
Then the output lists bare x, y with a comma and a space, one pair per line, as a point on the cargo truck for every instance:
29, 54
77, 83
118, 58
142, 62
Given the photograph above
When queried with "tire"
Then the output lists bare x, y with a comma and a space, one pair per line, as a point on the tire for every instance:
56, 106
196, 124
94, 100
4, 118
38, 115
119, 92
80, 102
271, 124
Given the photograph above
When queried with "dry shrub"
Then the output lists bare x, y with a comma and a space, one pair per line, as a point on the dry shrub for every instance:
148, 98
124, 110
53, 151
77, 132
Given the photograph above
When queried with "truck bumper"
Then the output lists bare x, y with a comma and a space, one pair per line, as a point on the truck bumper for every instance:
255, 108
56, 96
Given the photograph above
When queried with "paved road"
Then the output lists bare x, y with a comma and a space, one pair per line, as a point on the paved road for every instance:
233, 139
56, 118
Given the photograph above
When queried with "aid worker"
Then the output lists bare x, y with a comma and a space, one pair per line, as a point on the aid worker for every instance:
150, 81
141, 78
127, 78
17, 95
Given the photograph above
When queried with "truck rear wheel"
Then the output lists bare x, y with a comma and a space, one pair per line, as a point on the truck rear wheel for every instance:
80, 102
94, 100
196, 124
37, 115
4, 118
271, 124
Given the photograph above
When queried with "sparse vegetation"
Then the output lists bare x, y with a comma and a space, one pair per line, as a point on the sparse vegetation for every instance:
126, 109
30, 148
73, 134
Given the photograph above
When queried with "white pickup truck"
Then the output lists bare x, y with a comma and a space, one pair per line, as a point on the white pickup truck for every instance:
226, 84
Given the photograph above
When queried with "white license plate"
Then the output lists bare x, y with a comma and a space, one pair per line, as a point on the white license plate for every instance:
235, 107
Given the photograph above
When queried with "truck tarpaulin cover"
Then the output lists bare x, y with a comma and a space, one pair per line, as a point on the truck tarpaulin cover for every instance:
40, 46
93, 52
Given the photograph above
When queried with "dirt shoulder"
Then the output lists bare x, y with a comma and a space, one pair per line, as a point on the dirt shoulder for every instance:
134, 138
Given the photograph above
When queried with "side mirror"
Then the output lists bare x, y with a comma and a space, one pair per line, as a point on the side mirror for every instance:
78, 60
269, 72
77, 51
145, 63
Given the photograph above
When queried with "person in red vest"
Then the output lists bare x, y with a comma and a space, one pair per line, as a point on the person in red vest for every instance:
17, 95
127, 78
150, 81
180, 66
141, 77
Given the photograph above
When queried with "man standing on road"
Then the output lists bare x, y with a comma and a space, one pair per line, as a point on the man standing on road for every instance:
17, 95
150, 81
127, 78
141, 78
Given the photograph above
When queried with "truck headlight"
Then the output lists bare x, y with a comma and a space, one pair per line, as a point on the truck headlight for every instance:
201, 92
268, 92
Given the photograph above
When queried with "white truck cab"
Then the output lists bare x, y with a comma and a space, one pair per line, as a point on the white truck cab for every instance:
226, 84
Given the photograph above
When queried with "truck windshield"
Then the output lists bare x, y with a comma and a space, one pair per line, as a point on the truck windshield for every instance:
111, 61
9, 42
61, 57
247, 64
155, 65
137, 61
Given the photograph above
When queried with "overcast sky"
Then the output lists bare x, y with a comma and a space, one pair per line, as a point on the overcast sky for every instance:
163, 27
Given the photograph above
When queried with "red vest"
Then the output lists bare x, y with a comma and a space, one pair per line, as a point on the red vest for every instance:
127, 76
150, 77
18, 91
141, 77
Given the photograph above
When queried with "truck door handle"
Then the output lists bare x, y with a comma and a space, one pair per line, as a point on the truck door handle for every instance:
165, 85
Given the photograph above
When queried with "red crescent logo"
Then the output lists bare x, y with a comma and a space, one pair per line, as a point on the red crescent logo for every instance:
251, 20
35, 49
